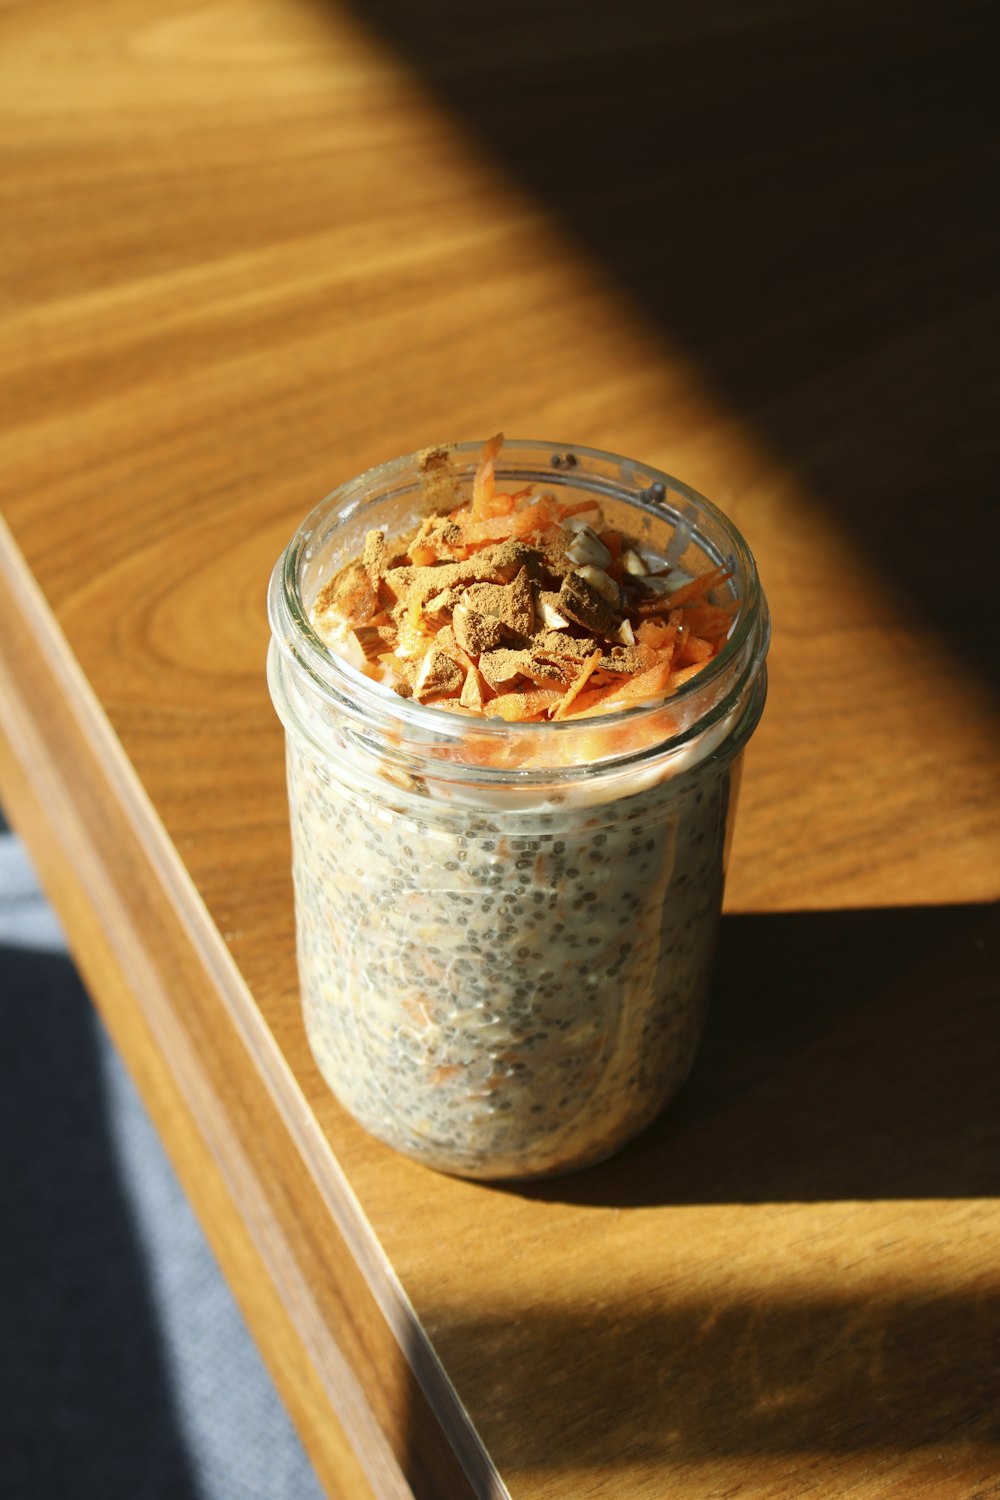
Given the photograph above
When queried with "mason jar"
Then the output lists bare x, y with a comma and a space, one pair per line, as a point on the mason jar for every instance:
505, 931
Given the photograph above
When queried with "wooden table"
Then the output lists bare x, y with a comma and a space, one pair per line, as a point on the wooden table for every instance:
251, 249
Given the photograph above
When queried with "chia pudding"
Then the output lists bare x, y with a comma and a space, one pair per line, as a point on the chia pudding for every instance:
506, 918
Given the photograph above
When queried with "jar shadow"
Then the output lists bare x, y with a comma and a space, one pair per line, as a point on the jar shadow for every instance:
848, 1055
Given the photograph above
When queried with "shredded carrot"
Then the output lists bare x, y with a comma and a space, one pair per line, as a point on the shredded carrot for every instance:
587, 699
692, 649
482, 487
517, 524
678, 679
651, 683
698, 587
651, 646
709, 620
540, 680
577, 686
493, 529
536, 517
519, 708
565, 511
654, 633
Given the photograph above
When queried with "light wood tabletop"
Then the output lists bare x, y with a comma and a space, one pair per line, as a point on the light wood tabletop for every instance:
250, 249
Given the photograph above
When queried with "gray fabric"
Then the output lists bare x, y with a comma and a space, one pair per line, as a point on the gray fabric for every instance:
125, 1367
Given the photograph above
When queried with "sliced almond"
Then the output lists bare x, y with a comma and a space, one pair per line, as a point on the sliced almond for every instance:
655, 584
437, 673
587, 548
375, 640
443, 603
475, 632
373, 556
548, 611
633, 563
522, 602
473, 693
504, 667
586, 606
603, 583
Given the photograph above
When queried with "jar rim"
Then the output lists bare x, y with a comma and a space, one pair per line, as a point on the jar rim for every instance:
336, 678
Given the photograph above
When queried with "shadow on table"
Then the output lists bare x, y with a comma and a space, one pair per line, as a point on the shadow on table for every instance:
797, 198
86, 1407
812, 1379
848, 1055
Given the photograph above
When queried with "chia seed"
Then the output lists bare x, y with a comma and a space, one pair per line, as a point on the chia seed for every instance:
497, 987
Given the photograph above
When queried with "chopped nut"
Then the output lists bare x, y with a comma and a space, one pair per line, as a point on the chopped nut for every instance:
548, 610
553, 550
556, 644
442, 604
503, 562
396, 583
349, 594
501, 668
437, 674
522, 601
445, 638
557, 668
582, 603
408, 584
474, 632
655, 584
376, 640
472, 695
438, 481
513, 604
587, 547
625, 660
373, 556
603, 583
439, 533
540, 614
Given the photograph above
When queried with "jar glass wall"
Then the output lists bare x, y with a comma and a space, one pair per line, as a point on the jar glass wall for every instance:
505, 930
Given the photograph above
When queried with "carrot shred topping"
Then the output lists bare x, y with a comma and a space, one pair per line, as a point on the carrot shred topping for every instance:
482, 485
498, 609
576, 687
698, 587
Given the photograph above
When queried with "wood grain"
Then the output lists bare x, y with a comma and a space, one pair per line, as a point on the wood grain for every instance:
251, 249
340, 1326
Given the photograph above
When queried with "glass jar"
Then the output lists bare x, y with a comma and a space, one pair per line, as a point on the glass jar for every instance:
505, 931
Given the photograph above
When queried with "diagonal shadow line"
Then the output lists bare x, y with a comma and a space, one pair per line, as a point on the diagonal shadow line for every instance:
797, 196
848, 1055
807, 1376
